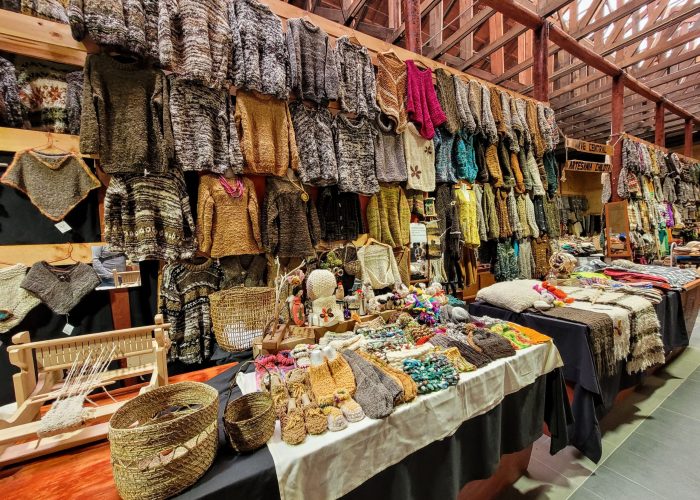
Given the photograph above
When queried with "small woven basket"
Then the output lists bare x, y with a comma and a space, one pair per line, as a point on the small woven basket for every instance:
249, 421
161, 442
240, 314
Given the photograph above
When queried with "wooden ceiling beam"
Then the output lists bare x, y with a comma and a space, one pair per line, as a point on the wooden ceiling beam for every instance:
353, 10
425, 7
477, 20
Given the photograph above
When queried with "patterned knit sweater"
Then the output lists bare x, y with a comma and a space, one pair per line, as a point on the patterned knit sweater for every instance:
339, 214
202, 128
53, 10
391, 88
15, 300
446, 94
422, 103
266, 134
464, 111
357, 91
42, 93
227, 225
184, 302
60, 287
125, 116
354, 140
313, 130
148, 217
290, 225
264, 59
420, 160
388, 152
389, 216
444, 143
312, 67
74, 96
10, 106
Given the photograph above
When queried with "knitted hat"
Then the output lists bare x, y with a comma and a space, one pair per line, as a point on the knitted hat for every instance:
320, 283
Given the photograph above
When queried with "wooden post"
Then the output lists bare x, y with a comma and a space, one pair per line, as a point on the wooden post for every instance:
496, 32
616, 130
411, 16
659, 124
540, 68
688, 143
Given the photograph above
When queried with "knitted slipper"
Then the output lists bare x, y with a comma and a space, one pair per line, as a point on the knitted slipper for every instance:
351, 410
292, 423
342, 373
316, 421
300, 353
336, 420
371, 395
322, 383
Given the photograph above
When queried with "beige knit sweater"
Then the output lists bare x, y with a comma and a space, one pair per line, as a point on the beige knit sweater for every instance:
391, 88
379, 267
15, 300
420, 160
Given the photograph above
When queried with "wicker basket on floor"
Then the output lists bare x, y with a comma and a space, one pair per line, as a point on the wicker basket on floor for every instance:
240, 314
163, 441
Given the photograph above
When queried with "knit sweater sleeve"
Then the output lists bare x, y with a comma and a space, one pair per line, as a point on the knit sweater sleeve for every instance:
293, 51
236, 63
170, 299
270, 223
253, 211
76, 18
374, 218
314, 224
404, 218
161, 101
332, 81
114, 206
89, 124
291, 141
394, 269
370, 85
531, 218
205, 216
167, 10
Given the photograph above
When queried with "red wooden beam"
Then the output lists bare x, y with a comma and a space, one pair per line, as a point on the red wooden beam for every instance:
659, 125
411, 13
540, 68
688, 143
617, 124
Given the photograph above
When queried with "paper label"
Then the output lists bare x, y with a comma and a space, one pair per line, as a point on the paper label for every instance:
63, 226
68, 329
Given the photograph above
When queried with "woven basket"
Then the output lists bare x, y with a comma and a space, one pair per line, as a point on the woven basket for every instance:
249, 421
240, 314
163, 441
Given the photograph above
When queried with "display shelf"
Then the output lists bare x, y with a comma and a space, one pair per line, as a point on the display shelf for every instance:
52, 252
19, 139
39, 38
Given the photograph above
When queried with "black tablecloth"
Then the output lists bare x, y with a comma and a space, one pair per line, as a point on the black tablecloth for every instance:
593, 398
437, 471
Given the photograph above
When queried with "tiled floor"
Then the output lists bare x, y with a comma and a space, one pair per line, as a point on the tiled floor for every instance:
651, 444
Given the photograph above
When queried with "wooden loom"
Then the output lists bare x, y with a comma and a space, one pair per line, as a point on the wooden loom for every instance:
42, 367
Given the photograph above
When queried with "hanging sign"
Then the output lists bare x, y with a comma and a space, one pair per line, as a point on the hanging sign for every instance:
587, 166
589, 147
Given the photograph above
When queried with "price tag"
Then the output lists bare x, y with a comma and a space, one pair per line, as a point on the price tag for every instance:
63, 226
68, 329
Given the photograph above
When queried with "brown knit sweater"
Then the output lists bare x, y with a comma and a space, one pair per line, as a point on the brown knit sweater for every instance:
227, 225
448, 99
391, 88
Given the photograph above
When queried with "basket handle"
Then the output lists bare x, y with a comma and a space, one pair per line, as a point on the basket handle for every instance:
233, 383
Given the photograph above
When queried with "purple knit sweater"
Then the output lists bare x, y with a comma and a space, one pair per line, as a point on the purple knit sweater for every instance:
422, 104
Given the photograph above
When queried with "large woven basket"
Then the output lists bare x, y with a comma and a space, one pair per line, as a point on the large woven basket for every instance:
249, 421
161, 442
240, 314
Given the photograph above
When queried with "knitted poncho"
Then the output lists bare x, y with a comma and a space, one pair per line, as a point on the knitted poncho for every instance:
313, 130
388, 152
391, 88
339, 214
389, 216
354, 149
227, 225
466, 117
42, 92
54, 183
312, 66
290, 225
422, 103
379, 267
148, 217
184, 303
60, 287
15, 300
10, 106
448, 99
130, 129
444, 143
264, 58
266, 134
420, 160
74, 96
204, 137
357, 90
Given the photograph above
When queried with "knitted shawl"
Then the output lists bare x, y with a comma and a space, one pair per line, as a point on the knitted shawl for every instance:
15, 300
463, 107
600, 339
60, 288
445, 84
621, 324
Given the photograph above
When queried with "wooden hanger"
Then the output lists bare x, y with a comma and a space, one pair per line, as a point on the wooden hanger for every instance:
372, 241
418, 62
353, 39
49, 145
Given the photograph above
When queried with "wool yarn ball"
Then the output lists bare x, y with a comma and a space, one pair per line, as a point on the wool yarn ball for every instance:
320, 283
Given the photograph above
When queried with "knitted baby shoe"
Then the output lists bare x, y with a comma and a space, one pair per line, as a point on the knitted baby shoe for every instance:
292, 423
300, 353
351, 410
342, 373
372, 396
322, 383
315, 420
336, 420
279, 393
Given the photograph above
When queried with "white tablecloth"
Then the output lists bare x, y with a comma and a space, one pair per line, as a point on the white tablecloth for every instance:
335, 463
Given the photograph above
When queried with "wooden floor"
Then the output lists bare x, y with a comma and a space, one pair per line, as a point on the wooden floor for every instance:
81, 473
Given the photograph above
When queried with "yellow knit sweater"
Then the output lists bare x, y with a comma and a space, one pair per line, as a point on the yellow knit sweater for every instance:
389, 216
227, 225
467, 213
266, 134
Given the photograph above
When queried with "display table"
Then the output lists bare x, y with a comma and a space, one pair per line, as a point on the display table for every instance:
593, 398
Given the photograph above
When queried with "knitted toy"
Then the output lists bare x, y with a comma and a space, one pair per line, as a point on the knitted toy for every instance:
320, 288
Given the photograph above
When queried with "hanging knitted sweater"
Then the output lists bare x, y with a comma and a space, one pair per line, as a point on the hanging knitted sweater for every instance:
379, 267
312, 68
388, 152
464, 111
465, 157
468, 217
227, 224
290, 225
389, 216
184, 303
16, 301
357, 92
354, 143
420, 160
60, 287
422, 103
125, 116
313, 130
481, 219
339, 214
490, 213
148, 217
391, 88
202, 132
444, 143
10, 105
531, 217
447, 97
42, 93
53, 10
266, 134
488, 122
74, 95
54, 183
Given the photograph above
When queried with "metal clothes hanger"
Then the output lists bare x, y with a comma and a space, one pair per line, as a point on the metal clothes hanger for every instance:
69, 256
50, 144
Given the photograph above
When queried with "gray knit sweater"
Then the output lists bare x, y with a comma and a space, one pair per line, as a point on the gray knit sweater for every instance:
10, 106
60, 288
388, 152
357, 91
264, 61
313, 130
74, 93
312, 68
354, 140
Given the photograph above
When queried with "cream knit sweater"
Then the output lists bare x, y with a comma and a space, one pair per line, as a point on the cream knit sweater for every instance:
379, 267
14, 299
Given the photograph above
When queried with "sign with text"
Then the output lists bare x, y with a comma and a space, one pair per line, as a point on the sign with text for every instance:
589, 147
587, 166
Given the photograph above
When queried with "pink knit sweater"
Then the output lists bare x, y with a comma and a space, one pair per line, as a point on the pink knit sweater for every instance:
422, 103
